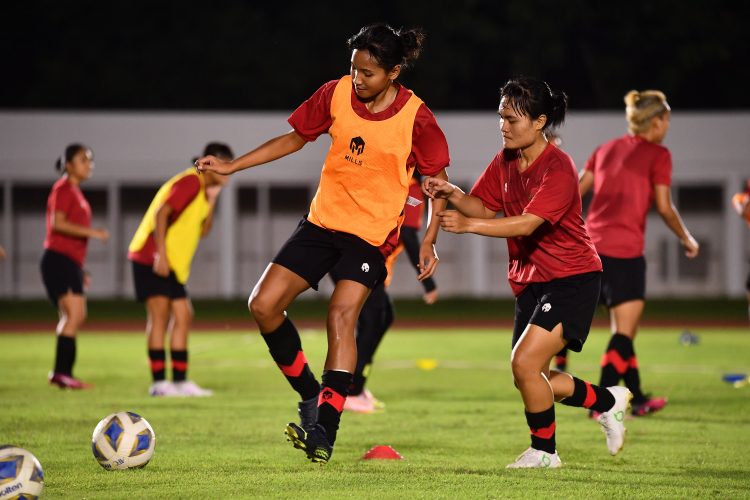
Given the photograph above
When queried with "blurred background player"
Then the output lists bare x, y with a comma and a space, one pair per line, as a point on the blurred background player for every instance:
377, 314
161, 253
380, 132
626, 174
68, 232
741, 203
553, 269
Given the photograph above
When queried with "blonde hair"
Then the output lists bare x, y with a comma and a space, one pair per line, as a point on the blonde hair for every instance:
640, 107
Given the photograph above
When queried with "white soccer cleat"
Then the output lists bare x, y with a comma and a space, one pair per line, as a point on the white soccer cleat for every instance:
163, 389
613, 421
536, 459
188, 388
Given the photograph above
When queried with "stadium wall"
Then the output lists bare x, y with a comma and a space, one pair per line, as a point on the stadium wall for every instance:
136, 151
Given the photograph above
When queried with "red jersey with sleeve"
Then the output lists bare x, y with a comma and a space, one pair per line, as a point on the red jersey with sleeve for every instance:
67, 198
429, 148
625, 172
414, 211
182, 193
548, 188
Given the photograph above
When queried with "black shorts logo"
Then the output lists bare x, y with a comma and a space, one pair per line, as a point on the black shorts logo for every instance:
357, 145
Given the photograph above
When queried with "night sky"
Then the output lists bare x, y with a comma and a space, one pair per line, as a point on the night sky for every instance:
234, 55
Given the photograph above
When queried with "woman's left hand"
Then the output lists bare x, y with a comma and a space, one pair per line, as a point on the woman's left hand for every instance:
428, 260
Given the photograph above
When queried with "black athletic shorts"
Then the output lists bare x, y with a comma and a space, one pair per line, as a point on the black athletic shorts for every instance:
148, 284
60, 275
311, 252
622, 280
571, 301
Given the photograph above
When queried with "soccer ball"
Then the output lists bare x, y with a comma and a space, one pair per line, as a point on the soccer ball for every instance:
21, 475
123, 440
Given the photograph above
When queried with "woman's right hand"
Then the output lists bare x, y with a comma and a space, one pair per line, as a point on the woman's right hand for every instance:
691, 247
161, 266
437, 188
212, 164
101, 234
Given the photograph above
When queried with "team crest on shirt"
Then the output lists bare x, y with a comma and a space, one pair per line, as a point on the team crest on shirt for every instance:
357, 147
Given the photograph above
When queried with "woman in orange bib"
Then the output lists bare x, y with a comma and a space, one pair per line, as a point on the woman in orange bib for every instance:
380, 132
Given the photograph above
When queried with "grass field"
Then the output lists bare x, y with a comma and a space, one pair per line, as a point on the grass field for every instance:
457, 425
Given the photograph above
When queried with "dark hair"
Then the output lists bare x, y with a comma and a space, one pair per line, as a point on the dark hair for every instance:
533, 98
387, 46
218, 149
70, 151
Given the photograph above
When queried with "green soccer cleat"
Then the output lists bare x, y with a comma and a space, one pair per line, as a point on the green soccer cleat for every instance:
313, 442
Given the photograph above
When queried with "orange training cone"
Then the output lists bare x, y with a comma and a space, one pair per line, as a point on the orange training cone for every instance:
383, 452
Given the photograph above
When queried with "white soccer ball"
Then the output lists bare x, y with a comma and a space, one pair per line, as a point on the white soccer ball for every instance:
21, 475
123, 440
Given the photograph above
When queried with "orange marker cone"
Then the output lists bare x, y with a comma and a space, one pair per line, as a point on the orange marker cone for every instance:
383, 452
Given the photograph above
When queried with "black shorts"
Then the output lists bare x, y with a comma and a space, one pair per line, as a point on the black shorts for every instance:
312, 251
571, 301
148, 284
60, 275
623, 280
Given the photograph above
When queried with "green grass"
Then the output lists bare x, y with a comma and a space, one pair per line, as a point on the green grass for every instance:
457, 425
449, 309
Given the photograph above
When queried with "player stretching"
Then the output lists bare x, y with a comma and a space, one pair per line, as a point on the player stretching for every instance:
554, 270
626, 174
380, 132
161, 253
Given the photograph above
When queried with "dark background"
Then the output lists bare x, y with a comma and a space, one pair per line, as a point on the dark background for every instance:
236, 55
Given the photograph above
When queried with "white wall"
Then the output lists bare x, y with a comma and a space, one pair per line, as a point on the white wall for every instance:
146, 148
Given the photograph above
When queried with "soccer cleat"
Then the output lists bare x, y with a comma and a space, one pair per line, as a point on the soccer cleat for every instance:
313, 442
308, 413
190, 389
163, 389
378, 404
359, 403
64, 381
536, 459
651, 405
613, 421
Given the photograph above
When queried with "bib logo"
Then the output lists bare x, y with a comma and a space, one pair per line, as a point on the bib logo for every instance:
357, 145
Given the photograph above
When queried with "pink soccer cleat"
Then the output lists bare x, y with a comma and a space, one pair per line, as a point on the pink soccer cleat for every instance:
651, 405
64, 381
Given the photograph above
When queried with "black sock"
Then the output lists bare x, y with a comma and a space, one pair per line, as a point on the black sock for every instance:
179, 365
561, 359
333, 394
373, 323
286, 350
542, 426
632, 380
157, 358
615, 360
586, 395
65, 355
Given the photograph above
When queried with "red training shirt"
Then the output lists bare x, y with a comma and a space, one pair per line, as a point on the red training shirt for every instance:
625, 171
548, 188
182, 193
67, 198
